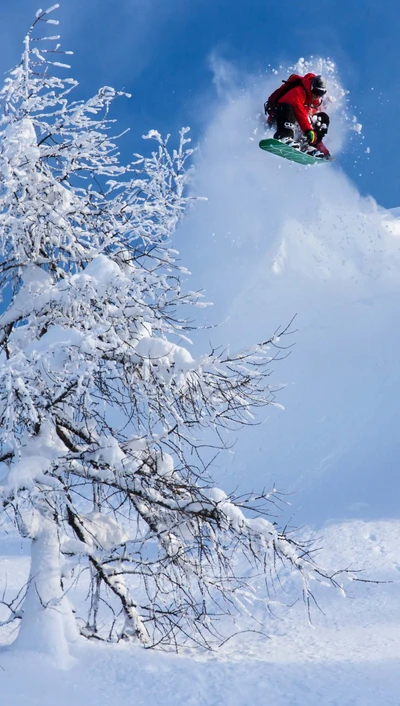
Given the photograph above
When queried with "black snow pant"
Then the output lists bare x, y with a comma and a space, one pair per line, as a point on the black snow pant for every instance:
286, 122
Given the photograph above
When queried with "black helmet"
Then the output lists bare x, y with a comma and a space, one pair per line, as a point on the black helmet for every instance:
318, 86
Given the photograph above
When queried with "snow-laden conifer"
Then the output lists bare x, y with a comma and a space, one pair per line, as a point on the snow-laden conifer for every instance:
103, 409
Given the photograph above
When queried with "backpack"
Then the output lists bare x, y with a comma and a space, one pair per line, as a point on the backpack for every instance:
291, 82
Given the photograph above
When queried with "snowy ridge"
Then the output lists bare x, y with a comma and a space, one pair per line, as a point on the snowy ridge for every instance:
299, 241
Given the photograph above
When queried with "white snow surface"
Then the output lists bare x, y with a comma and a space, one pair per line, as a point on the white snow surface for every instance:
276, 239
350, 656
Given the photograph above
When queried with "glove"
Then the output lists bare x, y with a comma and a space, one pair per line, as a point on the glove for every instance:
311, 136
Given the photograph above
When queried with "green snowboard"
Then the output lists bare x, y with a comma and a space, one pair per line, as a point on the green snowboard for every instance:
282, 150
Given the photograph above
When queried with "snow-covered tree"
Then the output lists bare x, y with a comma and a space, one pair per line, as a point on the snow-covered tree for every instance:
104, 412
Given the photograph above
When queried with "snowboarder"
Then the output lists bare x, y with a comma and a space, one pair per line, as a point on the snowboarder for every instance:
298, 102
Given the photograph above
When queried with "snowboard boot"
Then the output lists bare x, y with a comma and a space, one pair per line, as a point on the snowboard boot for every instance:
289, 141
310, 149
285, 130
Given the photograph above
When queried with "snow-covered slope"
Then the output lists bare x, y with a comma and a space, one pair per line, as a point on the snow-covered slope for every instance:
274, 240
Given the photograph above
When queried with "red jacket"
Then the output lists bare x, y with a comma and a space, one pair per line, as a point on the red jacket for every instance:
300, 98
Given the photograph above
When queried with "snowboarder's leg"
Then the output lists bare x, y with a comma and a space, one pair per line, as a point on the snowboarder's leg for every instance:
320, 122
285, 122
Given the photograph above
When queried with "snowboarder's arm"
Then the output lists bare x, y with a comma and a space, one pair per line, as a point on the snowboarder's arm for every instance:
296, 98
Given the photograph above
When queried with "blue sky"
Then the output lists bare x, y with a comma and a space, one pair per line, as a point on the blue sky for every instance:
159, 50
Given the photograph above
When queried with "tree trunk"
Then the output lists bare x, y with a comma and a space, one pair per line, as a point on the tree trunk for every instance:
48, 624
